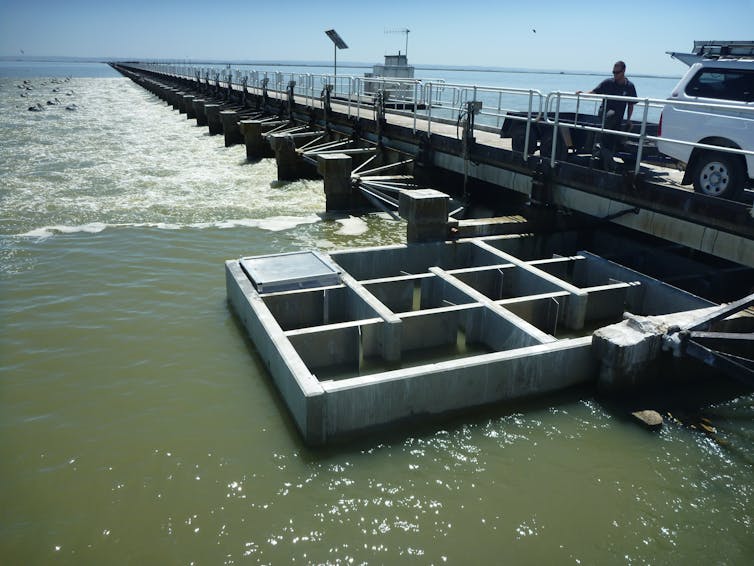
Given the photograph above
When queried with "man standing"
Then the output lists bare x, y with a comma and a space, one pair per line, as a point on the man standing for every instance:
619, 85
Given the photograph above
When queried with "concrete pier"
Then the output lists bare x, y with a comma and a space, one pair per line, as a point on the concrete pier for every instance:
629, 352
718, 227
188, 106
178, 103
426, 211
253, 132
449, 321
199, 113
231, 129
214, 122
335, 169
290, 165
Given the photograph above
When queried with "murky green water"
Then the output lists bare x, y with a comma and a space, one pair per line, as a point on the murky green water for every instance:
138, 426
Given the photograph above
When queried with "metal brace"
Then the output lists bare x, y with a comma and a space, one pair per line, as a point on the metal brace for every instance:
689, 341
291, 103
265, 95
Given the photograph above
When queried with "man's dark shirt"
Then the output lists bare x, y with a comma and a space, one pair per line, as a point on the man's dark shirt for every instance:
611, 87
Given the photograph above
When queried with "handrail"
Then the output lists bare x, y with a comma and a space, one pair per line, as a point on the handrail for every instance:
434, 100
646, 103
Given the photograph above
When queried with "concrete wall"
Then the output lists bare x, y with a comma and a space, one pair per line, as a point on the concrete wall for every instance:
362, 403
300, 390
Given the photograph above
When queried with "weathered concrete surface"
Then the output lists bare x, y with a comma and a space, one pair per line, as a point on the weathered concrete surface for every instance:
229, 119
188, 106
629, 351
426, 211
213, 118
199, 113
253, 132
290, 166
364, 353
335, 169
301, 390
366, 402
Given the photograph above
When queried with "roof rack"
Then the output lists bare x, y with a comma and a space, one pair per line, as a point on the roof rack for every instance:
727, 49
715, 49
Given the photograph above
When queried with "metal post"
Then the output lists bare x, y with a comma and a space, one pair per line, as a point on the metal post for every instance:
528, 129
358, 98
350, 95
642, 135
429, 112
416, 103
555, 132
499, 107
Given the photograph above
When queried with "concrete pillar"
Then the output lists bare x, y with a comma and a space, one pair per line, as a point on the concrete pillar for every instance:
630, 352
200, 115
182, 102
231, 130
162, 91
287, 159
336, 169
257, 145
170, 94
213, 119
426, 211
188, 105
178, 99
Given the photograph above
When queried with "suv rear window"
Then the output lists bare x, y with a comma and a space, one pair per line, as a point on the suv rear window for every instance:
727, 84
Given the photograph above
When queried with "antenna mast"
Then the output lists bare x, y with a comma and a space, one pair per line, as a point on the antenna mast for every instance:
402, 30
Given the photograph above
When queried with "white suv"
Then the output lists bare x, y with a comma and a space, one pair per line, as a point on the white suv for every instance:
722, 82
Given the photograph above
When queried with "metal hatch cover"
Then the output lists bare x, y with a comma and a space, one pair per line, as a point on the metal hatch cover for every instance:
290, 271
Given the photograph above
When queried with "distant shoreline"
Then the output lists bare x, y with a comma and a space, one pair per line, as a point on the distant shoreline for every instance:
344, 65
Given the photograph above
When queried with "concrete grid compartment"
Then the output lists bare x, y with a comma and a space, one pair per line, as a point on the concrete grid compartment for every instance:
425, 329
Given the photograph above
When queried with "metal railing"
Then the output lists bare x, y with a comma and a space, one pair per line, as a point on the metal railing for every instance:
558, 102
429, 99
433, 101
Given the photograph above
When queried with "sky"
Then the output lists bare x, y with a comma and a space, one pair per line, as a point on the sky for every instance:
582, 35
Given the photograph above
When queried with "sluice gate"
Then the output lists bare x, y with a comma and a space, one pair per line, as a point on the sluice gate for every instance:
467, 160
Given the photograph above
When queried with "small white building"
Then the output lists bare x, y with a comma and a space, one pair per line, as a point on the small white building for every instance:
395, 66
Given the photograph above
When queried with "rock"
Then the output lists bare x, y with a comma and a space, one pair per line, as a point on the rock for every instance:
651, 419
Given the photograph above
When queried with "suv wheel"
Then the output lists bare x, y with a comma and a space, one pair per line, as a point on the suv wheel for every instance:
718, 174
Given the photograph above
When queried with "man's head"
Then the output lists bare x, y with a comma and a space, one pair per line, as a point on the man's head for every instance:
619, 69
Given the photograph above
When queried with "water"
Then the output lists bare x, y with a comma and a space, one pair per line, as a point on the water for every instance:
138, 425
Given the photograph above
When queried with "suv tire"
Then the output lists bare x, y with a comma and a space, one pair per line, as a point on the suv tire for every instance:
718, 174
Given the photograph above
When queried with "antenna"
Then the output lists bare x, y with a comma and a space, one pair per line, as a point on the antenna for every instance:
402, 30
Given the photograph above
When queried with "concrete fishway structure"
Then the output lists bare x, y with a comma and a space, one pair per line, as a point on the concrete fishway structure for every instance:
471, 311
411, 332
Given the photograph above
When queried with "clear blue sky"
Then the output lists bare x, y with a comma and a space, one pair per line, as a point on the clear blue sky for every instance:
570, 35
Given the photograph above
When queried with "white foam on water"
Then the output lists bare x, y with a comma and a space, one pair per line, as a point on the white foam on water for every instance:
129, 160
352, 226
272, 224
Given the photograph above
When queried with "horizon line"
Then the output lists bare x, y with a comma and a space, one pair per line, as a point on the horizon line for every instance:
303, 63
